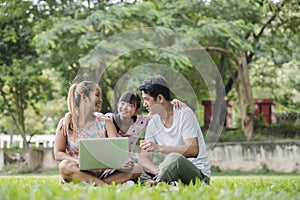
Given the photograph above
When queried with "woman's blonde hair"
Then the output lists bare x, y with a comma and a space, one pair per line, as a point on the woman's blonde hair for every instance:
83, 88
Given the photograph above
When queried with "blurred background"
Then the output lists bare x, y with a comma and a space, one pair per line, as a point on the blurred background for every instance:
254, 44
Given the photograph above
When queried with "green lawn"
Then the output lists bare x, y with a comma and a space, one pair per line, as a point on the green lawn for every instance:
222, 187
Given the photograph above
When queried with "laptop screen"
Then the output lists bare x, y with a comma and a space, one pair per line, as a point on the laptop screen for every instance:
103, 153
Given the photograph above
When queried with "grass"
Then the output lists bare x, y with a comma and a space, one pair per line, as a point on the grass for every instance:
222, 187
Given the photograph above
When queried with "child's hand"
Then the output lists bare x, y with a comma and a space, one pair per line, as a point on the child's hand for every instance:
178, 104
127, 166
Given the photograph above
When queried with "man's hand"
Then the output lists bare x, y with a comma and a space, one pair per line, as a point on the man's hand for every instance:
149, 146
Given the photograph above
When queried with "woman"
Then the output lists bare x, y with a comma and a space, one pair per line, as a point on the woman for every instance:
82, 100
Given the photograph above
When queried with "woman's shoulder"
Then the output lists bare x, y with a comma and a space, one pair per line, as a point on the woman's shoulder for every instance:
104, 118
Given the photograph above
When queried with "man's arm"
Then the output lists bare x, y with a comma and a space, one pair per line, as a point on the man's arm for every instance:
190, 149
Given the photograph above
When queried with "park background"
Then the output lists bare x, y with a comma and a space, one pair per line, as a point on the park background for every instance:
254, 44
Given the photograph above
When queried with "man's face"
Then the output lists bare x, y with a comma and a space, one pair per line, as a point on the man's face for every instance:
149, 103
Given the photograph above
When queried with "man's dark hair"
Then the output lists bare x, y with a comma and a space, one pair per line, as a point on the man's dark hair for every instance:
154, 86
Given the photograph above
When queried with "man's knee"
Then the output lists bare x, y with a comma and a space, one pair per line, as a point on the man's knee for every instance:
172, 161
170, 168
174, 158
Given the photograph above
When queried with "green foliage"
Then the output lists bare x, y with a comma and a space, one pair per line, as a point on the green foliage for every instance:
263, 132
280, 83
232, 136
22, 85
222, 187
57, 35
216, 171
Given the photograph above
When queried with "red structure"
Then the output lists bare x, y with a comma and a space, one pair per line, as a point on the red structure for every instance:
265, 107
208, 113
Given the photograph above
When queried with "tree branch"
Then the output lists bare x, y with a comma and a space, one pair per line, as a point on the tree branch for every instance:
222, 50
186, 18
229, 84
9, 106
272, 18
232, 56
257, 37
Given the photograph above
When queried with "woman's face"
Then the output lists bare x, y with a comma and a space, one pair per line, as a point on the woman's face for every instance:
126, 109
97, 99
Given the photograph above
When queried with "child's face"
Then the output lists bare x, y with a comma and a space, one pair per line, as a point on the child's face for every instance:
128, 109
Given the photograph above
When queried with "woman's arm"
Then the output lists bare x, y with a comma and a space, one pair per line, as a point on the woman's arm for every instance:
60, 144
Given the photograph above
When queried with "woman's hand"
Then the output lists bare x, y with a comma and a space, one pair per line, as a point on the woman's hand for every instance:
107, 172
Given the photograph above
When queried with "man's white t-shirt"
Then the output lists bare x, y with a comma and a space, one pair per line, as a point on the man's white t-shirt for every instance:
185, 125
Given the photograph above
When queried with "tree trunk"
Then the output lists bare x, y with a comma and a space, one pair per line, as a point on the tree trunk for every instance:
11, 133
21, 129
19, 117
23, 134
245, 96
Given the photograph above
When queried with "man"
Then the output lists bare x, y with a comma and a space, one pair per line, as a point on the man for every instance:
175, 132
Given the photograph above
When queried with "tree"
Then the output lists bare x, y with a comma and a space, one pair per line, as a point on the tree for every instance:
273, 17
235, 33
73, 37
21, 83
240, 33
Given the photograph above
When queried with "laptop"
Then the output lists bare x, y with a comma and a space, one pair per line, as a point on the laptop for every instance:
103, 153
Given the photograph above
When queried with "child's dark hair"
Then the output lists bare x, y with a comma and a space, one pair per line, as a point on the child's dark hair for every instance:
132, 98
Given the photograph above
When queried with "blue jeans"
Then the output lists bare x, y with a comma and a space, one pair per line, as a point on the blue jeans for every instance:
175, 166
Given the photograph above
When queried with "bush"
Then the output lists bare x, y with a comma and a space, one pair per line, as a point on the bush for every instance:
286, 130
233, 135
262, 132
